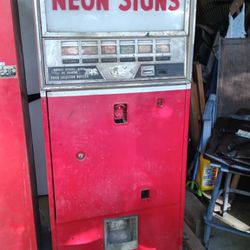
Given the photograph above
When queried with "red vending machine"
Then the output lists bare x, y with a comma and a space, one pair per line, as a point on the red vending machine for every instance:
17, 217
115, 84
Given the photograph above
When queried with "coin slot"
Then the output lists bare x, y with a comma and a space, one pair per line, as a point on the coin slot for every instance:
148, 70
162, 72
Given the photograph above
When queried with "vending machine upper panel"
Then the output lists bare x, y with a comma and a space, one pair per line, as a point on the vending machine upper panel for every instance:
95, 16
104, 43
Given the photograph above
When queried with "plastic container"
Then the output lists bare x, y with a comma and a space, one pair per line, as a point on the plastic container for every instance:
206, 175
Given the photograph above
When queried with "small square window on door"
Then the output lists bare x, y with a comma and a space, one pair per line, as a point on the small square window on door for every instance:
121, 233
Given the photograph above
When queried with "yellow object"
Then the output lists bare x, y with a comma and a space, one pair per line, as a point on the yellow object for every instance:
206, 175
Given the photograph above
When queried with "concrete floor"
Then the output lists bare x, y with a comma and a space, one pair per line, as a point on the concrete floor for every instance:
227, 241
219, 240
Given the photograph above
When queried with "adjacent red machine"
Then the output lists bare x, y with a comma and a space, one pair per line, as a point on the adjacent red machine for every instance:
17, 223
115, 85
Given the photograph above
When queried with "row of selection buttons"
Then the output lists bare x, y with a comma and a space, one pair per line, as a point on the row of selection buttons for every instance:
110, 47
114, 59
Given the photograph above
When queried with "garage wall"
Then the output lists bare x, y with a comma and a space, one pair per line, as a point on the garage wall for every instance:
30, 61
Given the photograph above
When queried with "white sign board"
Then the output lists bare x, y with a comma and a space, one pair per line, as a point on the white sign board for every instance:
70, 16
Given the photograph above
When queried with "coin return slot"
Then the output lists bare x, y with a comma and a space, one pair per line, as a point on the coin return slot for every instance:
145, 194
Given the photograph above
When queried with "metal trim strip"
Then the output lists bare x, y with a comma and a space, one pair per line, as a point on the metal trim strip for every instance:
117, 91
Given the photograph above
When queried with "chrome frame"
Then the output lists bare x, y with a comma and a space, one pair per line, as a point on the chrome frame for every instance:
191, 36
41, 33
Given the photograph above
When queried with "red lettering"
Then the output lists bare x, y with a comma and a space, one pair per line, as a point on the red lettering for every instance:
147, 6
126, 5
90, 6
72, 5
160, 5
175, 6
102, 4
136, 5
60, 3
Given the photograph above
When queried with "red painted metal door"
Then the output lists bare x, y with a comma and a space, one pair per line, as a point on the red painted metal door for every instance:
100, 167
121, 160
17, 226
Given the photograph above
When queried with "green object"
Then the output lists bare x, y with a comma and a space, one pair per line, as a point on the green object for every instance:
194, 188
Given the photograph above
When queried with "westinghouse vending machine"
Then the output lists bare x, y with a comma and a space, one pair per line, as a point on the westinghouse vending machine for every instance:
115, 85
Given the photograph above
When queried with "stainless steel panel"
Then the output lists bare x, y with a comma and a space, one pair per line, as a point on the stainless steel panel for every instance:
111, 71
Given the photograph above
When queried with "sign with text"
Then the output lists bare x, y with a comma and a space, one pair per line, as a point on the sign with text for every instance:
67, 16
